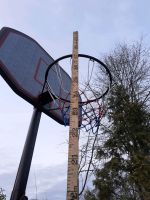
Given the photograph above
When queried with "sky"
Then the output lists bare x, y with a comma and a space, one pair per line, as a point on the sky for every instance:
101, 25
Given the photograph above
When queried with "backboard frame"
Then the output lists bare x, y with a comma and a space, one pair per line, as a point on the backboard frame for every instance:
18, 89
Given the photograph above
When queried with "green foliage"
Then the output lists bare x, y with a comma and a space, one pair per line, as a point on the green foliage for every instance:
2, 195
89, 195
125, 174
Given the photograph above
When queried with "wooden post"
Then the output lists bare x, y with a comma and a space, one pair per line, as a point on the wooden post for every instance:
72, 176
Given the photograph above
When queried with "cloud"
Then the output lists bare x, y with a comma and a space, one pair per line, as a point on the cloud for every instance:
100, 26
58, 191
6, 182
48, 182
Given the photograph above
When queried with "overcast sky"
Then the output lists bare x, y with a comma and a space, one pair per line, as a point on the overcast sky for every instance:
101, 25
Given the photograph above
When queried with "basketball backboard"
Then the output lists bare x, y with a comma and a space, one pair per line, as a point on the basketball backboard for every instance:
23, 63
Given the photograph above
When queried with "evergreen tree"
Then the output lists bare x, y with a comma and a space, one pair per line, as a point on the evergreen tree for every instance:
2, 195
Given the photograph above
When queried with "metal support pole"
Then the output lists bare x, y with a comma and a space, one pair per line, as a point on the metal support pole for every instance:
19, 189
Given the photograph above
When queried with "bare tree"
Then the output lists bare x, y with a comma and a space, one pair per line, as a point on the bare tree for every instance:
130, 67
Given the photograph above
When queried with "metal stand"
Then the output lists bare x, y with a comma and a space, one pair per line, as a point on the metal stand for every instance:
19, 189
